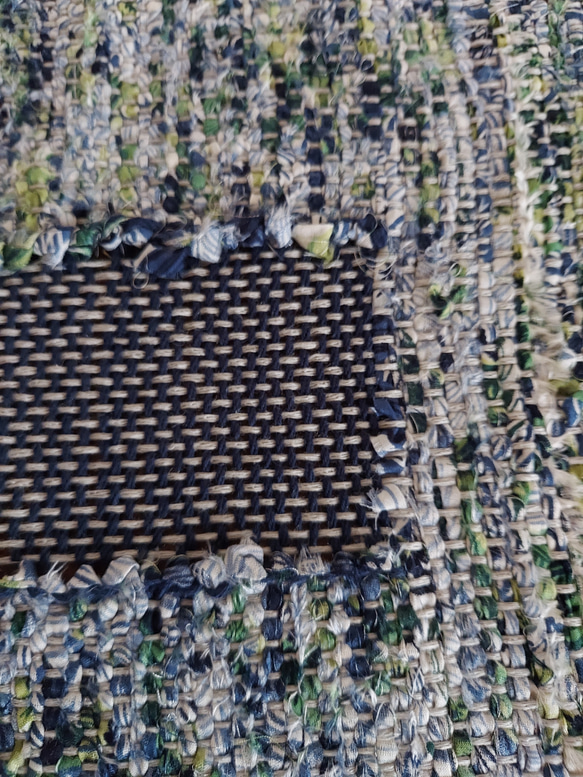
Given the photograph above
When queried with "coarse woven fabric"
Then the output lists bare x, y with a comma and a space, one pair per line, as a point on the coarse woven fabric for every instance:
372, 211
178, 417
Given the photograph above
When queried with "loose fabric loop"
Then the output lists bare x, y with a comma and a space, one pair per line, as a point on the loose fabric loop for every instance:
140, 280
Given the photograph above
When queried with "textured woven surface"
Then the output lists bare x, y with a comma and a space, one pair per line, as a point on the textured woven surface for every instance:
169, 109
266, 155
172, 418
229, 669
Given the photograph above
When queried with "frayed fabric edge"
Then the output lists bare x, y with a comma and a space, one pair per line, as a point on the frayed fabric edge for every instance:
216, 576
168, 249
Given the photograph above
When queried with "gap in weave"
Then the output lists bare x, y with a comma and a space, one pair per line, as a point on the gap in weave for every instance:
182, 417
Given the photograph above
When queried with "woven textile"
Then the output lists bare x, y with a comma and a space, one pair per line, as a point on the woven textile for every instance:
177, 417
290, 388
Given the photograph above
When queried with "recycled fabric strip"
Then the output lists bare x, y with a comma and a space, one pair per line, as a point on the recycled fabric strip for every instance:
227, 668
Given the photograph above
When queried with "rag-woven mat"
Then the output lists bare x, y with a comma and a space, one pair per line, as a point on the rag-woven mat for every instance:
290, 388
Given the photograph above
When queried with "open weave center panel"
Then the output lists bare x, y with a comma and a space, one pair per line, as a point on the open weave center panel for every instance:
178, 417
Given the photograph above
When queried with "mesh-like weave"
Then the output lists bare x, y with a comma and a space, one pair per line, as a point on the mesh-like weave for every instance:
172, 418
